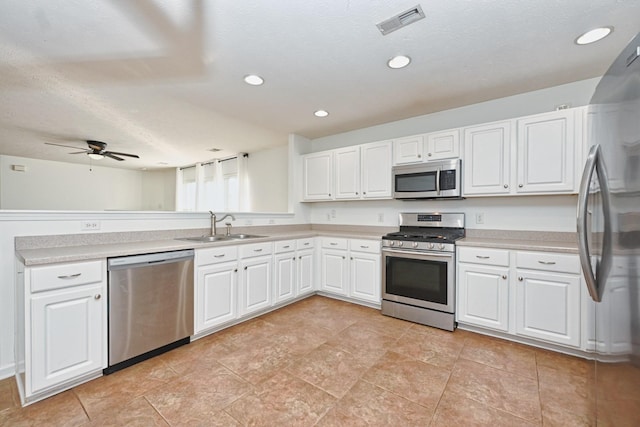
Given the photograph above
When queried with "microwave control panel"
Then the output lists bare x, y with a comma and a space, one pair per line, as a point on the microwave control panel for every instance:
448, 179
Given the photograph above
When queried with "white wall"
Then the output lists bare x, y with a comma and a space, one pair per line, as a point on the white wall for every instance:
159, 190
53, 185
574, 94
268, 180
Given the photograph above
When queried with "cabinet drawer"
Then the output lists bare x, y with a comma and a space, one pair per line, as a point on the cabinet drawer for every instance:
334, 243
255, 249
216, 255
284, 246
362, 245
546, 261
307, 243
484, 256
66, 275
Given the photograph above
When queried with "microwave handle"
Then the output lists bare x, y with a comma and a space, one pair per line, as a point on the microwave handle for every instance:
438, 182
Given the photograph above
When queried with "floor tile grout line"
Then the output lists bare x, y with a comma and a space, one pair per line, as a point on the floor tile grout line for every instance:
81, 404
157, 410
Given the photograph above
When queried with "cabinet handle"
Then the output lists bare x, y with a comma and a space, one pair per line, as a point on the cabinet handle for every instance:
257, 250
97, 296
520, 279
504, 276
245, 267
235, 270
506, 186
547, 262
333, 243
70, 276
482, 257
329, 194
429, 154
294, 258
364, 192
419, 156
299, 257
364, 247
343, 257
286, 247
351, 258
219, 256
520, 185
356, 193
306, 244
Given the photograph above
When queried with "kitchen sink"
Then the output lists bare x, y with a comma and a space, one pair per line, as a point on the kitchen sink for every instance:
205, 239
243, 236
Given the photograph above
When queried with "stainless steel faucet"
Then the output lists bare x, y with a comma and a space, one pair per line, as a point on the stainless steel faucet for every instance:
214, 220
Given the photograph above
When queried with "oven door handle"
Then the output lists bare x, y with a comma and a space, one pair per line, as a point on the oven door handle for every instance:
420, 254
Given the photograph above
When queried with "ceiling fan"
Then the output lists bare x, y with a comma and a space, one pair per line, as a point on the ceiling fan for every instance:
97, 150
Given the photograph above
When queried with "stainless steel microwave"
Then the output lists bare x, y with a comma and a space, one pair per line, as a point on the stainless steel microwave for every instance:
431, 180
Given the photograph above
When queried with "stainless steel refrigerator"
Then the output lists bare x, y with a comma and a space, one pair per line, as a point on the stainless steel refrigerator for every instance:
609, 241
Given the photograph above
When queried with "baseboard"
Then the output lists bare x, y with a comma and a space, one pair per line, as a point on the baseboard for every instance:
7, 371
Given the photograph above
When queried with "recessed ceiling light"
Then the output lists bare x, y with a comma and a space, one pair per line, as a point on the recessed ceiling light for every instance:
253, 80
594, 35
321, 113
399, 61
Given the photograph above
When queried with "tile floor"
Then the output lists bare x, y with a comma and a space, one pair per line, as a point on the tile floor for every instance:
322, 362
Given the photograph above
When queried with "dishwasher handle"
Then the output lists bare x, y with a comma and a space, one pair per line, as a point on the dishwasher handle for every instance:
134, 261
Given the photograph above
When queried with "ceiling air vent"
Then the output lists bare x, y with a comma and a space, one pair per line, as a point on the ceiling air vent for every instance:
401, 20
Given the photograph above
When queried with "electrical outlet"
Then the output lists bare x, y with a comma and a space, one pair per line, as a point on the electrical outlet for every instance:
90, 225
380, 217
272, 221
248, 222
333, 213
329, 216
480, 218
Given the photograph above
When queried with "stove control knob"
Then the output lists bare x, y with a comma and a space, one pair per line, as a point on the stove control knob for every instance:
399, 243
431, 245
414, 244
392, 243
441, 246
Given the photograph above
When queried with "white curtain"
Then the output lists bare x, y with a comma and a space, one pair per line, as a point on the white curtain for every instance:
212, 194
243, 183
187, 194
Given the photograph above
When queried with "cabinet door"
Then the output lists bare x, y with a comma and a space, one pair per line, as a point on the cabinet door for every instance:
487, 157
365, 277
376, 170
334, 271
216, 295
255, 284
546, 145
408, 150
68, 335
483, 296
318, 176
442, 145
548, 306
347, 169
284, 280
305, 271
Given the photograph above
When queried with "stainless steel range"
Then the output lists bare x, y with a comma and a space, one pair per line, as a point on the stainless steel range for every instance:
418, 268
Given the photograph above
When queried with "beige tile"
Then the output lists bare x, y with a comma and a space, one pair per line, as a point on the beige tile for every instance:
412, 379
135, 413
455, 410
194, 356
565, 363
439, 348
496, 388
562, 390
329, 368
501, 354
196, 398
378, 407
258, 362
365, 344
9, 398
119, 388
384, 324
335, 418
618, 413
245, 334
559, 417
300, 340
283, 400
618, 381
63, 409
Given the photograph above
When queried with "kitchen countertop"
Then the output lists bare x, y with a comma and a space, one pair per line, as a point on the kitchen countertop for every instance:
562, 242
85, 252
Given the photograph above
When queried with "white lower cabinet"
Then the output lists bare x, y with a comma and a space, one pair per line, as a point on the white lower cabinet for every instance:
62, 326
305, 266
529, 294
255, 277
351, 267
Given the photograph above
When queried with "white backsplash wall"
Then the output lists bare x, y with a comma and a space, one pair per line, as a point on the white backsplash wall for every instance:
534, 213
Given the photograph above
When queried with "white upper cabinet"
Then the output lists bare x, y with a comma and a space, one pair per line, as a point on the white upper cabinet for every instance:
347, 170
442, 145
318, 176
408, 150
376, 170
546, 161
487, 159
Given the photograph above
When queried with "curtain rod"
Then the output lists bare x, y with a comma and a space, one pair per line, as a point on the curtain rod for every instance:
216, 160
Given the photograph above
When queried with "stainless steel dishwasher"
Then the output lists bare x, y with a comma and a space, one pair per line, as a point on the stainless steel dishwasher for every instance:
150, 305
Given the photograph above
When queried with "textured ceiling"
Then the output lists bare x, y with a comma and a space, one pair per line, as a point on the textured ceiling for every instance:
163, 79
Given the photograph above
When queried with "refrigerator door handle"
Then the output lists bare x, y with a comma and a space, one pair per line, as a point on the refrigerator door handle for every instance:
595, 282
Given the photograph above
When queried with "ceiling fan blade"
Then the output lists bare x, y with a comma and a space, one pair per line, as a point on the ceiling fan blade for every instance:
80, 152
111, 156
123, 154
66, 146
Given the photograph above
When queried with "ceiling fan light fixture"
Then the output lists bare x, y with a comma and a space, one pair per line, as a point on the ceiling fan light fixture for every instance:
399, 61
594, 35
95, 156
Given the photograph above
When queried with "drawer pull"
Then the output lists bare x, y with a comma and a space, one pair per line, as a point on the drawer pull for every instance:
333, 243
257, 250
482, 257
286, 247
70, 276
219, 256
306, 244
547, 262
364, 247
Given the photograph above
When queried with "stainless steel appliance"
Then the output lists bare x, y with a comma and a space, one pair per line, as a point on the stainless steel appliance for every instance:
419, 270
431, 180
150, 305
609, 240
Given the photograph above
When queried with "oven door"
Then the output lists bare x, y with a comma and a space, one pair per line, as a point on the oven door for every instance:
423, 279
